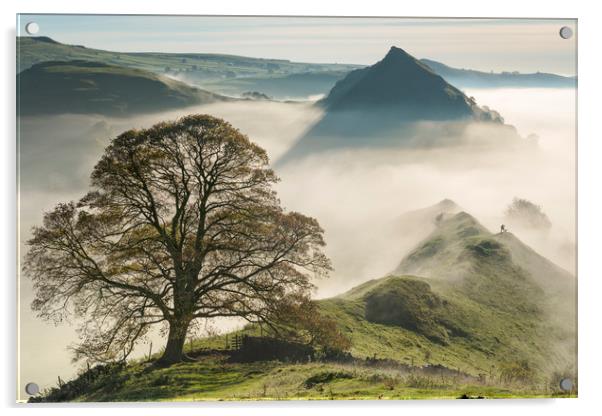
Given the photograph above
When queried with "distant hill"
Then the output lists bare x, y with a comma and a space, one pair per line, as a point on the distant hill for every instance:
315, 83
401, 85
425, 219
469, 78
465, 298
86, 87
280, 78
382, 104
300, 85
197, 67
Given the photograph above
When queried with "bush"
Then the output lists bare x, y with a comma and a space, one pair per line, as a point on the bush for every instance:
162, 380
105, 377
390, 382
325, 377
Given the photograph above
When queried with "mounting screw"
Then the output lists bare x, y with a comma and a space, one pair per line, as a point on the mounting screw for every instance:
566, 384
566, 32
32, 389
32, 28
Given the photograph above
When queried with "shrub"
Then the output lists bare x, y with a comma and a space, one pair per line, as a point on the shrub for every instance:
325, 377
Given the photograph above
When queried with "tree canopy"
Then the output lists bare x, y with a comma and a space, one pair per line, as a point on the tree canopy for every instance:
181, 223
525, 213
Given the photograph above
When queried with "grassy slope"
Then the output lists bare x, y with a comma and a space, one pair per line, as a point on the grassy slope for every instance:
492, 337
495, 292
93, 87
496, 314
212, 378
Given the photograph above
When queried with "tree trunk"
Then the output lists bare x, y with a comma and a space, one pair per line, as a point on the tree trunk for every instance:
174, 350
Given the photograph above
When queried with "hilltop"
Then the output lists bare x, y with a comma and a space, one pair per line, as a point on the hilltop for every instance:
56, 87
402, 85
398, 101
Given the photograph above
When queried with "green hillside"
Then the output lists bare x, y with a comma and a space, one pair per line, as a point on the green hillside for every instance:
92, 87
195, 66
478, 323
482, 300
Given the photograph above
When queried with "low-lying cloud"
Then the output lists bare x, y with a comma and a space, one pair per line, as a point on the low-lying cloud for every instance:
355, 194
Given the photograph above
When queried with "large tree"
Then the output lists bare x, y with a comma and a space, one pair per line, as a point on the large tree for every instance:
182, 223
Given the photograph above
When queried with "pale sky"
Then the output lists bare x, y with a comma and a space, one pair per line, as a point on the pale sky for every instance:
524, 45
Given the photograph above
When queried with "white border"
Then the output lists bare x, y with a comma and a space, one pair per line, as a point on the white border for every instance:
590, 201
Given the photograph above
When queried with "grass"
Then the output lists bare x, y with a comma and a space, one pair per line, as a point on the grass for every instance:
212, 378
410, 303
488, 337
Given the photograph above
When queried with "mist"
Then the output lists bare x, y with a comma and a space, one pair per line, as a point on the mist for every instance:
357, 195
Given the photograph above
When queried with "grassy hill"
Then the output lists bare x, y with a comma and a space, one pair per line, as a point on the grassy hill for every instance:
195, 66
92, 87
214, 378
479, 322
484, 304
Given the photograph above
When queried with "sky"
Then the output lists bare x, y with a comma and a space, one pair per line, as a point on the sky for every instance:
524, 45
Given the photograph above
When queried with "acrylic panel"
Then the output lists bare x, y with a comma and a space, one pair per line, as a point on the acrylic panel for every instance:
284, 208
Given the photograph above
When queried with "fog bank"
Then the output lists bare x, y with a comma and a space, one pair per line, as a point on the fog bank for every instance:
355, 194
